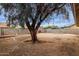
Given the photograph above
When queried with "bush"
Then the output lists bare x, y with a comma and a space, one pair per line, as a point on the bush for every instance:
2, 32
51, 27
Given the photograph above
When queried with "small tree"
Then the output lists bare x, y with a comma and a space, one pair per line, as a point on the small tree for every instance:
34, 14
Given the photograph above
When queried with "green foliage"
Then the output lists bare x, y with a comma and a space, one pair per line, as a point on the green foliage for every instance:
32, 14
2, 32
21, 23
13, 27
51, 27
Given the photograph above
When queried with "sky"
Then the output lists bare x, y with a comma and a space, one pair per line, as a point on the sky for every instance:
57, 21
2, 18
60, 21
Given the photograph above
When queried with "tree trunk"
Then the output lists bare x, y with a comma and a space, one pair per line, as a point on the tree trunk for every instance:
34, 36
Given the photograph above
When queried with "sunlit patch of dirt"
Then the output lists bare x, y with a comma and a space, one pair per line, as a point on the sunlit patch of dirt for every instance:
50, 45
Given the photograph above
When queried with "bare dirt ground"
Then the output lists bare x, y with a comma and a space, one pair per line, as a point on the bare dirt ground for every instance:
51, 45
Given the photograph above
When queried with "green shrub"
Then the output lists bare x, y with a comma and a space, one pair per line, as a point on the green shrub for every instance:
13, 27
51, 27
2, 32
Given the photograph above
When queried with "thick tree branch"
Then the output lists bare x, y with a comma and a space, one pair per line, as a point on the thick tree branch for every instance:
40, 10
28, 24
41, 20
60, 6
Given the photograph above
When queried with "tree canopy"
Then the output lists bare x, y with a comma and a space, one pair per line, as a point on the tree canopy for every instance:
33, 14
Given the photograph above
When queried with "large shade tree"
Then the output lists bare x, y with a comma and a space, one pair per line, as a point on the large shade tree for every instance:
33, 14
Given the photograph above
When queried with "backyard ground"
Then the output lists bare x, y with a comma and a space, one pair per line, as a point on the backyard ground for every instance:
52, 44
